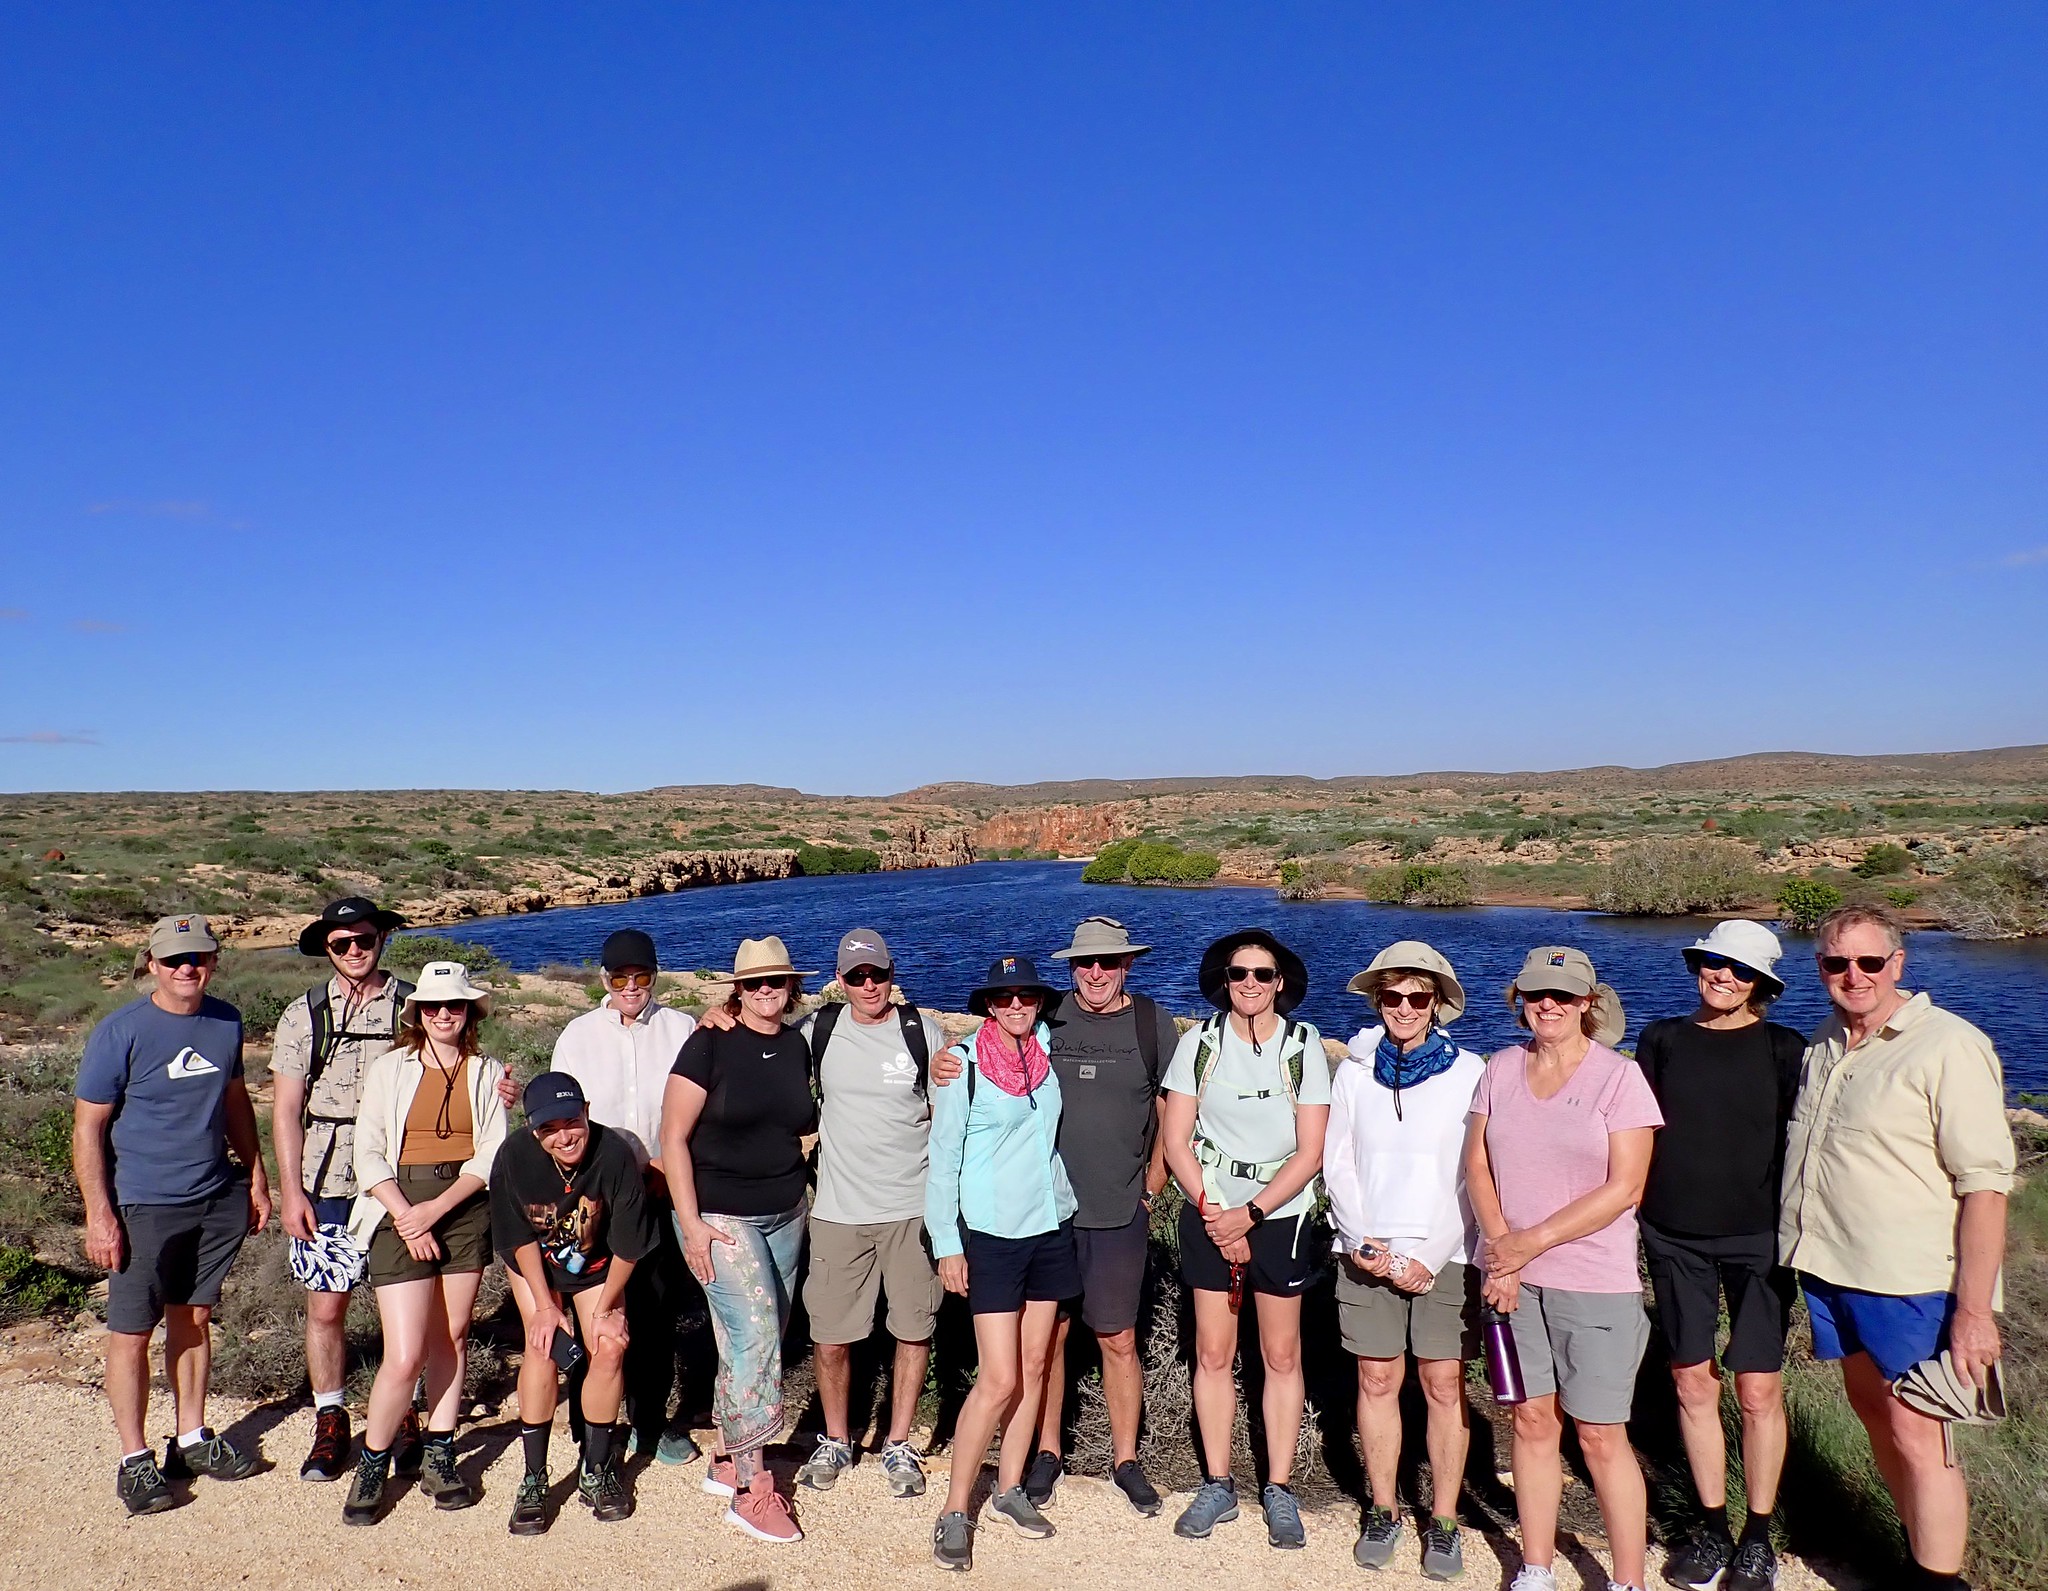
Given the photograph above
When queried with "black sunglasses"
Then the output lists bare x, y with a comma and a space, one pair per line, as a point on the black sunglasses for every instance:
342, 944
1101, 963
442, 1005
1263, 974
187, 958
1706, 961
781, 981
861, 977
1413, 999
1835, 966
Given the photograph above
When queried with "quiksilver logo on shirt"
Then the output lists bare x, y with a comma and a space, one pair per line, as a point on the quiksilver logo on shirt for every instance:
188, 1062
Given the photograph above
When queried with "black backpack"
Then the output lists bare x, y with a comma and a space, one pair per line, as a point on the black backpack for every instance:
913, 1040
325, 1038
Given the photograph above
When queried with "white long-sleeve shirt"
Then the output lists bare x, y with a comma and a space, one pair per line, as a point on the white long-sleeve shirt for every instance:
623, 1067
1401, 1178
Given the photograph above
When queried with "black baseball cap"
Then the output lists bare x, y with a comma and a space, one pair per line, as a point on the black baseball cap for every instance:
552, 1097
628, 948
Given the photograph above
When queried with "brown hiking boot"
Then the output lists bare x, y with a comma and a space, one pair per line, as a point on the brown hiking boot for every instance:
329, 1459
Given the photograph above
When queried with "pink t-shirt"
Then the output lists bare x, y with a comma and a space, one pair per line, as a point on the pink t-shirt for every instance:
1546, 1153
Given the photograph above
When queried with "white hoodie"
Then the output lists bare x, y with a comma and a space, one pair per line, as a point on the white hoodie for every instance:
1401, 1178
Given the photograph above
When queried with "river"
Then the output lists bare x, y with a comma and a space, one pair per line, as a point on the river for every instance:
944, 925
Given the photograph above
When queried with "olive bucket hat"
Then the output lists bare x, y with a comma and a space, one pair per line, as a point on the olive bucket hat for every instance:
1214, 974
1413, 956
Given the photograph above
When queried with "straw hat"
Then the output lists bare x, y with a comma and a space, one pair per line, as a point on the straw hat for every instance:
1413, 956
762, 958
445, 980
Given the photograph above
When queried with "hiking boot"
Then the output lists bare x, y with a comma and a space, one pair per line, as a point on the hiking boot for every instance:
329, 1459
1016, 1506
604, 1494
1215, 1504
830, 1459
408, 1447
530, 1507
1753, 1568
1532, 1578
677, 1446
1129, 1478
903, 1469
1377, 1538
765, 1516
1443, 1551
1283, 1517
1042, 1477
440, 1479
212, 1456
140, 1486
366, 1491
721, 1479
953, 1541
1699, 1563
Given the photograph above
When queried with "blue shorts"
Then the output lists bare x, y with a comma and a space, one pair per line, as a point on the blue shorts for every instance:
1896, 1332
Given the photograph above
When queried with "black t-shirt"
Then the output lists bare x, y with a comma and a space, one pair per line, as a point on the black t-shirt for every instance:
600, 1215
1726, 1097
747, 1148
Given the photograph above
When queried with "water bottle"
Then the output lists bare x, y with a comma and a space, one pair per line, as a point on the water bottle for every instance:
1503, 1362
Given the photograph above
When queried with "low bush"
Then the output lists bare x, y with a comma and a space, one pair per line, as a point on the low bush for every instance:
2003, 895
1805, 901
813, 860
1310, 880
1111, 864
1883, 860
406, 954
1422, 884
1673, 877
28, 1288
1150, 862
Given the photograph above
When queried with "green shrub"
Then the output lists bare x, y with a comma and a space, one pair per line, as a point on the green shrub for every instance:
1150, 862
1421, 884
1883, 860
1111, 865
1670, 877
1805, 901
406, 954
1900, 896
2003, 895
28, 1287
825, 859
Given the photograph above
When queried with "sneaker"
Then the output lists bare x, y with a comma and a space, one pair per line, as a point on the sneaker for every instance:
366, 1491
1700, 1562
1214, 1504
1622, 1585
1129, 1477
1531, 1578
953, 1542
721, 1479
329, 1459
140, 1486
765, 1516
440, 1479
1377, 1538
530, 1507
1042, 1477
903, 1469
1283, 1517
408, 1447
677, 1446
1016, 1506
830, 1459
212, 1456
1443, 1551
1753, 1568
604, 1494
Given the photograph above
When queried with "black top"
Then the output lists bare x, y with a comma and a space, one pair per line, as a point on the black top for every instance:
601, 1214
748, 1145
1726, 1097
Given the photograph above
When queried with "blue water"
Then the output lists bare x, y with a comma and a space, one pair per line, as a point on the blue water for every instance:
945, 924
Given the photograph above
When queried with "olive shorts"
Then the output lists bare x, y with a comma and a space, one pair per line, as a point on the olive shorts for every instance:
464, 1232
853, 1266
1379, 1321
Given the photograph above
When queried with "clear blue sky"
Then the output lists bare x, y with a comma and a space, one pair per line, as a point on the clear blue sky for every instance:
855, 396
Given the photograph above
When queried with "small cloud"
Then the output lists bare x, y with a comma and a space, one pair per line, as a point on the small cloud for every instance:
98, 626
13, 615
50, 737
2024, 560
193, 510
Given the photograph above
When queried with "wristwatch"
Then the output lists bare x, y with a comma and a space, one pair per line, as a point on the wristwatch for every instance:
1258, 1216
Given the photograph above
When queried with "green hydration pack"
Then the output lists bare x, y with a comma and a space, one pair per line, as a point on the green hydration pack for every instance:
1288, 1060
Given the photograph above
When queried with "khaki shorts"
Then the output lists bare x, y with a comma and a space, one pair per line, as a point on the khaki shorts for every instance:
1379, 1321
1585, 1347
851, 1265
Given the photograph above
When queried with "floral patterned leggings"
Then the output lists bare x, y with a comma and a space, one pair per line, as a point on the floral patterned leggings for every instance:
753, 1281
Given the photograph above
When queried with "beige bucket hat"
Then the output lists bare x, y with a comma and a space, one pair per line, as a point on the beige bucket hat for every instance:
1412, 955
763, 958
1569, 970
1100, 936
445, 980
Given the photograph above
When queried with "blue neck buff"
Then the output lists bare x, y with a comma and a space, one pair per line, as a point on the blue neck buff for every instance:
1431, 1058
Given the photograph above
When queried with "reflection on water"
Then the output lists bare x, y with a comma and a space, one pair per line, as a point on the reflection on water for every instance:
945, 924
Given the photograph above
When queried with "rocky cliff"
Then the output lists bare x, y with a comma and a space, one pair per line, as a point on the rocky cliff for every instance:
1067, 830
920, 846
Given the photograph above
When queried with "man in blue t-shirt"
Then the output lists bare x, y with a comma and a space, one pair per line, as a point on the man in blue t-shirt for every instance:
161, 1101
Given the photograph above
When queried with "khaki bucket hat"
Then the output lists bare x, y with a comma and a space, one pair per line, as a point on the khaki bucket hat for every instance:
1412, 955
1568, 970
1100, 936
763, 958
446, 980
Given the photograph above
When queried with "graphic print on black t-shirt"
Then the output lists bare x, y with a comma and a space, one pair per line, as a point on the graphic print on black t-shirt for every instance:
600, 1213
567, 1234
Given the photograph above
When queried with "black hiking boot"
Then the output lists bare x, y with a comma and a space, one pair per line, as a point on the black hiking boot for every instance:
328, 1460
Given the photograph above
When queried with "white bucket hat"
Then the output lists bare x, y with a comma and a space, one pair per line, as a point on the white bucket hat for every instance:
1740, 940
1412, 955
446, 980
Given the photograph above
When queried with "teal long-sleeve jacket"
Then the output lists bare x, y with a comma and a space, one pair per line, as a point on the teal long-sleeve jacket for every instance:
995, 1164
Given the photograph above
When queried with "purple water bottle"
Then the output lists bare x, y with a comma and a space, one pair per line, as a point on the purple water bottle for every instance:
1503, 1363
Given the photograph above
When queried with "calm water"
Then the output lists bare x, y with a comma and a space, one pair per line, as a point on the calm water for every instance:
945, 924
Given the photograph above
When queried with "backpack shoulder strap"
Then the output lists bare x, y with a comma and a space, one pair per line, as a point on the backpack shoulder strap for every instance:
1292, 1033
822, 1024
321, 1010
1206, 1050
1148, 1035
914, 1041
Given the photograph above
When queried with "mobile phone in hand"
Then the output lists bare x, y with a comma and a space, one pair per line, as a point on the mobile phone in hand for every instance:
565, 1350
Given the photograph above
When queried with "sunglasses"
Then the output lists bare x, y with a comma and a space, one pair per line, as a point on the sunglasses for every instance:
443, 1005
1100, 963
187, 958
1735, 969
630, 980
342, 944
861, 977
1413, 999
1835, 966
1554, 996
754, 985
1014, 997
1263, 974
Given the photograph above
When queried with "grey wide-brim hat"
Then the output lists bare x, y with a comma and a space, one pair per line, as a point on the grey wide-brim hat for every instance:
1413, 956
1100, 936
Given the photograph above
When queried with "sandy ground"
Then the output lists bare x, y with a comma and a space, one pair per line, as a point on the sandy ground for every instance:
65, 1528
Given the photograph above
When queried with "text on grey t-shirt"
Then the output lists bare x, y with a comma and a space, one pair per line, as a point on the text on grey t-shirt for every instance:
874, 1127
1110, 1121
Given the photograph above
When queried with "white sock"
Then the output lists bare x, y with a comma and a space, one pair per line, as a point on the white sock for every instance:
140, 1452
328, 1400
192, 1438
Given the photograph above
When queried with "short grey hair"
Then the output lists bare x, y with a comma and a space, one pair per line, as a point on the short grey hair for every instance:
1862, 914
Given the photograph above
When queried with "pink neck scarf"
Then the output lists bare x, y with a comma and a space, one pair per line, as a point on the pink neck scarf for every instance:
995, 1053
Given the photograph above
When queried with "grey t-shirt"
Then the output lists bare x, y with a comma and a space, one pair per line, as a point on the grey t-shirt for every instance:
874, 1128
1109, 1123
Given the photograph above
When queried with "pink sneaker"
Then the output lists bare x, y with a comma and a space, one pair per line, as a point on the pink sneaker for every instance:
765, 1516
721, 1479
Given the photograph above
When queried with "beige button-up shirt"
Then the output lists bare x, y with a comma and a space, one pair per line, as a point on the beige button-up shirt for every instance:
1884, 1141
359, 1035
624, 1068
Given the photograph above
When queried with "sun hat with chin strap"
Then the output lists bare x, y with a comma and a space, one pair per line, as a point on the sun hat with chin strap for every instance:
445, 980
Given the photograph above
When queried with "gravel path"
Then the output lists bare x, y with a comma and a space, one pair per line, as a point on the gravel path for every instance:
66, 1529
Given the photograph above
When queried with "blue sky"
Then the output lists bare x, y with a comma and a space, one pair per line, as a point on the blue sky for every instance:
851, 397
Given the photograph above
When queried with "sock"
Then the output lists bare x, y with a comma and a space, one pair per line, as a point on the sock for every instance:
597, 1447
129, 1458
534, 1438
328, 1400
441, 1439
376, 1455
1719, 1519
1757, 1527
1938, 1580
194, 1438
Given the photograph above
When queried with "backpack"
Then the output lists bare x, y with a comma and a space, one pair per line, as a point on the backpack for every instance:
913, 1040
325, 1038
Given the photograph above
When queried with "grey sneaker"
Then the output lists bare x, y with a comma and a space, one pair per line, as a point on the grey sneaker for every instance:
1283, 1518
1020, 1511
1042, 1477
1443, 1550
830, 1459
1214, 1504
140, 1486
1377, 1538
903, 1469
677, 1446
953, 1542
212, 1456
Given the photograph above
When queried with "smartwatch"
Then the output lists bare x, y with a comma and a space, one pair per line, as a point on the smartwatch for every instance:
1258, 1216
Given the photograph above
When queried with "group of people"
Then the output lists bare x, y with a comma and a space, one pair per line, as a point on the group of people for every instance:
1018, 1167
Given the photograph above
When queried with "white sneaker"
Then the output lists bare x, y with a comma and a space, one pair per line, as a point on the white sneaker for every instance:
1532, 1578
1622, 1585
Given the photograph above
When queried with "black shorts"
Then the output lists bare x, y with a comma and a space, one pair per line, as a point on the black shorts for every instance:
1006, 1273
1285, 1259
1112, 1260
176, 1254
1689, 1275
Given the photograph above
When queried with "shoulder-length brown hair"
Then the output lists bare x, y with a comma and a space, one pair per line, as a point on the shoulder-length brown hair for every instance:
412, 1032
